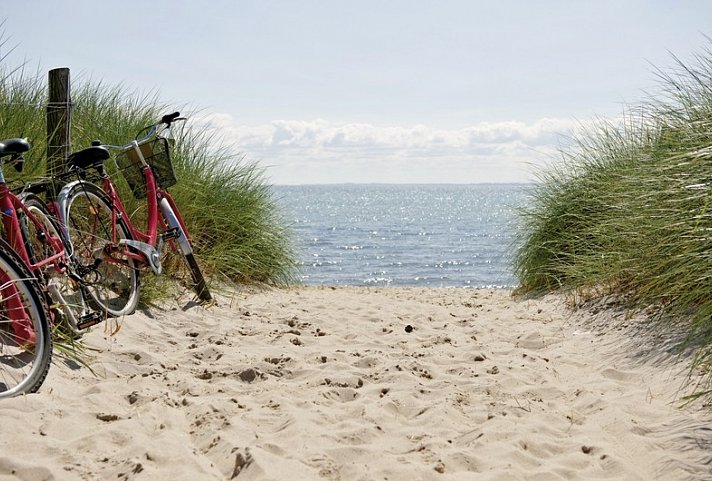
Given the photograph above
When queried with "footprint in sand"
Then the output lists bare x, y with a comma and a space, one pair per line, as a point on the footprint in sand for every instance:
344, 394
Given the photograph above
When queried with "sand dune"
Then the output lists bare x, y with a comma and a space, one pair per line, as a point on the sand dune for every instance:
362, 384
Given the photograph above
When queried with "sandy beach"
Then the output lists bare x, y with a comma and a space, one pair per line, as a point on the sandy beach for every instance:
363, 384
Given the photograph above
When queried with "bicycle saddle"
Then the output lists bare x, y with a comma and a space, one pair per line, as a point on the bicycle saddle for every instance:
13, 146
93, 156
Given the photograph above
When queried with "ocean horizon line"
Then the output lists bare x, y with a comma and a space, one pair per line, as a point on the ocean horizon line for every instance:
337, 184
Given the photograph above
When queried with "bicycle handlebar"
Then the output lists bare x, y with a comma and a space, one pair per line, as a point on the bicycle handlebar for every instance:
166, 120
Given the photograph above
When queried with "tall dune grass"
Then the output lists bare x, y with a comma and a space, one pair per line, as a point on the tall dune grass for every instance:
228, 207
627, 212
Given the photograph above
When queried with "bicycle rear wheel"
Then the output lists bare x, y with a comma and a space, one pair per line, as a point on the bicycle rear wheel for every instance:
112, 279
25, 338
39, 238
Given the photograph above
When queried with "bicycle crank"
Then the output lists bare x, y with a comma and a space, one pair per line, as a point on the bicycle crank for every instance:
151, 254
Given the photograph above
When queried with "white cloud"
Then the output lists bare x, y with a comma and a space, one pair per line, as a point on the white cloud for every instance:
317, 151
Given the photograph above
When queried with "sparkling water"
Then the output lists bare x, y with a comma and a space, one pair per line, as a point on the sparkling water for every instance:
404, 235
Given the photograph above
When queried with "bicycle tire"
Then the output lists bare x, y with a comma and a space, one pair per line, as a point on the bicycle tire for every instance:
72, 301
89, 220
22, 369
199, 285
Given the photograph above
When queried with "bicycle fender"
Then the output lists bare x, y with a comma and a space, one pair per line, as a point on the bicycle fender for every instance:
173, 223
62, 199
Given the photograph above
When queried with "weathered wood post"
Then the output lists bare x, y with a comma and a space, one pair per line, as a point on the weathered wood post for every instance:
59, 121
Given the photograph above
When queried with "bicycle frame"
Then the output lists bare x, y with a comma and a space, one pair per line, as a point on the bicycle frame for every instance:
9, 206
149, 178
146, 246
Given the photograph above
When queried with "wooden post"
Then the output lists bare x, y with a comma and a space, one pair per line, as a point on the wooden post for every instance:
59, 121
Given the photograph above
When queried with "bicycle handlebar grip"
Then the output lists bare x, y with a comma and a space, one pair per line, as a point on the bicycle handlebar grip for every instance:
167, 119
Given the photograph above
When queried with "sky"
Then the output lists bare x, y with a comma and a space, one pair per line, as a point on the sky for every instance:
396, 91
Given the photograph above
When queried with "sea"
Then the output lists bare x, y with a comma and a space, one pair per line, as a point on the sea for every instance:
430, 235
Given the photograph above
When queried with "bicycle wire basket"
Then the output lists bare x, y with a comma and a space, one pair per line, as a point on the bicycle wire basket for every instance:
156, 152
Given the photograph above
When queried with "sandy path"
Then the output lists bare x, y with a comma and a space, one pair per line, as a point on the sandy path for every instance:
361, 384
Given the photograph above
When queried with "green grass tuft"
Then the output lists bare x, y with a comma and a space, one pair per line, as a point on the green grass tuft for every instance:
627, 211
228, 207
237, 229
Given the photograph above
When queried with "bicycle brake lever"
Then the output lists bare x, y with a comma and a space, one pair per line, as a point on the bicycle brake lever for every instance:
18, 163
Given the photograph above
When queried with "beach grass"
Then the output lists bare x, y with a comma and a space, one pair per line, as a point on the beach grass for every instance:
235, 225
237, 230
238, 234
627, 213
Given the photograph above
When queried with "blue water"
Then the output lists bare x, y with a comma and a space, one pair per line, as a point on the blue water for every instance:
404, 235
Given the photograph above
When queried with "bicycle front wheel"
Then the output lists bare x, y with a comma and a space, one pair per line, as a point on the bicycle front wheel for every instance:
198, 280
199, 285
111, 278
25, 339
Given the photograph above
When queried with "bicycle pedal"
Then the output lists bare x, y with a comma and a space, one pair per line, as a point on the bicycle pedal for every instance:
91, 319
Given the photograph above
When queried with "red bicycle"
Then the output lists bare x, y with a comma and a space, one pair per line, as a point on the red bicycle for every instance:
101, 237
34, 271
33, 233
